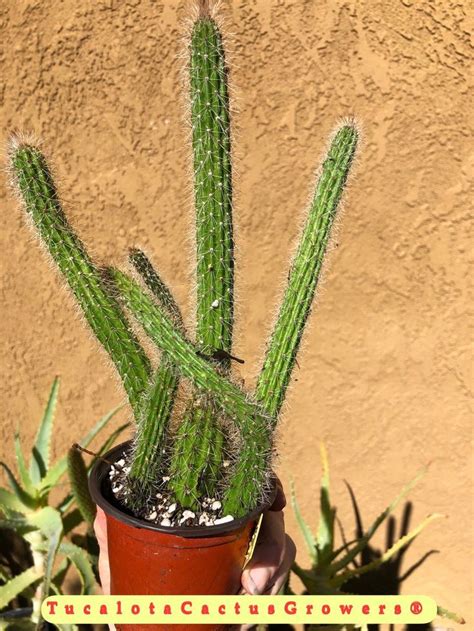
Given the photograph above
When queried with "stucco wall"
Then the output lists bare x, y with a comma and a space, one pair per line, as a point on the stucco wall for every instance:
384, 377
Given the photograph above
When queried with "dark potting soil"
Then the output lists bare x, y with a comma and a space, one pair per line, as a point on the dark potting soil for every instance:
163, 509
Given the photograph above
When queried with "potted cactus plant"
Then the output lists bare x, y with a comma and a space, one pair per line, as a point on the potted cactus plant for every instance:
191, 484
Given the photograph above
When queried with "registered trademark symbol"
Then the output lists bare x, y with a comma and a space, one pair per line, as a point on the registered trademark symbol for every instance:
416, 607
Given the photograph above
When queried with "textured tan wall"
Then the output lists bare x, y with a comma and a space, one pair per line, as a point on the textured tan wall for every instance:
384, 379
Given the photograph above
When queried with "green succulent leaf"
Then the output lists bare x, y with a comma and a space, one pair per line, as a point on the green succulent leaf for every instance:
24, 497
56, 472
79, 558
9, 503
17, 585
40, 452
342, 578
109, 443
325, 540
308, 536
343, 562
450, 615
48, 521
22, 468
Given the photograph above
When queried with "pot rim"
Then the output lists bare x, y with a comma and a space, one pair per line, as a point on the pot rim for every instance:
99, 475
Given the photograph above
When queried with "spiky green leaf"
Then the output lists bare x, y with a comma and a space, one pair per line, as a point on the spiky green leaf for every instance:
40, 453
25, 498
344, 561
325, 538
17, 585
81, 562
56, 472
22, 468
308, 536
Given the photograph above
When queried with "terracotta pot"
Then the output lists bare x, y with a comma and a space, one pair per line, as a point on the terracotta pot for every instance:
149, 559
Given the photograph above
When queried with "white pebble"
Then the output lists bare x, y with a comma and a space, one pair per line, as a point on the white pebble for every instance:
226, 463
151, 516
204, 519
120, 462
224, 520
166, 478
187, 514
215, 304
118, 488
158, 495
165, 522
216, 505
171, 508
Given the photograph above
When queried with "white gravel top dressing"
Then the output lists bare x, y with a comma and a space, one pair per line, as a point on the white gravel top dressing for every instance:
163, 509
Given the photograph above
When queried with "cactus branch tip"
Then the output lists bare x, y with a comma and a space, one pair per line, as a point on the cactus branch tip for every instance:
204, 8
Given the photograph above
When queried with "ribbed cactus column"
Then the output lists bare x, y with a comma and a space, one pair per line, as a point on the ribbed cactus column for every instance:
305, 271
251, 421
197, 458
297, 300
149, 444
38, 192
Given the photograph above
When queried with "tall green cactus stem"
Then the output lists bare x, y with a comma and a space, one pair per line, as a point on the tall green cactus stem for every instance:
305, 271
152, 428
36, 186
253, 423
200, 432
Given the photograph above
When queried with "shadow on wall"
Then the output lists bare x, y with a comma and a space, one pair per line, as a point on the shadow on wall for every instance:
389, 577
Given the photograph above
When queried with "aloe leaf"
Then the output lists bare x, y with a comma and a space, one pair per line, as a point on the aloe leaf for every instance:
386, 556
314, 584
9, 503
24, 497
17, 585
450, 615
49, 523
363, 541
60, 574
305, 529
325, 538
108, 444
22, 468
40, 452
81, 562
56, 472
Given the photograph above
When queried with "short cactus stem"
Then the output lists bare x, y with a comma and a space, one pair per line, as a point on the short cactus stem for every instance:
152, 434
253, 423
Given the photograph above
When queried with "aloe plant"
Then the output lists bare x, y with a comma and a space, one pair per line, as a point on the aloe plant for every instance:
336, 569
222, 443
47, 527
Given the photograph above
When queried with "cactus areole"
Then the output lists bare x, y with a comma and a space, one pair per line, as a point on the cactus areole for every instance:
206, 462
